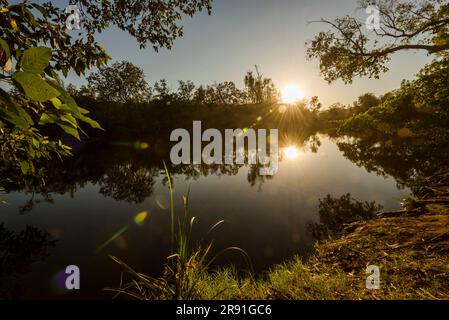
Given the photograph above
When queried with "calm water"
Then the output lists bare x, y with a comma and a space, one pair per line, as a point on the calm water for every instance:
267, 218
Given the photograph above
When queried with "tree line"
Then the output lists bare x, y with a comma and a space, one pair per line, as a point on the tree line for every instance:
124, 82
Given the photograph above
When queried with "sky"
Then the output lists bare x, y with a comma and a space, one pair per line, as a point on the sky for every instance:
241, 33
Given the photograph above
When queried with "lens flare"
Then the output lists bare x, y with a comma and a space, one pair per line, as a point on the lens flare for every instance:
161, 202
139, 219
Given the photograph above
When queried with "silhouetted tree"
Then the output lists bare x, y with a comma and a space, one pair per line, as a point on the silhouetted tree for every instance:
156, 22
87, 91
121, 82
258, 88
200, 95
227, 93
186, 91
162, 91
72, 90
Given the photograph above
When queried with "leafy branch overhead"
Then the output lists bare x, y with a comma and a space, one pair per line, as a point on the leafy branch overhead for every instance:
157, 22
41, 98
349, 49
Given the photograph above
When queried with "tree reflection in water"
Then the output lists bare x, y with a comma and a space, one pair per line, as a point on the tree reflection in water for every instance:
17, 252
128, 173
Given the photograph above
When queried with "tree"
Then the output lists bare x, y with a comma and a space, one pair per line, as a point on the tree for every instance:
186, 91
406, 135
347, 51
71, 90
365, 102
225, 93
162, 91
200, 95
122, 82
259, 89
155, 22
87, 91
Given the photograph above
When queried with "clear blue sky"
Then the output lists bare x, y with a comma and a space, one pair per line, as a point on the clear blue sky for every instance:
269, 33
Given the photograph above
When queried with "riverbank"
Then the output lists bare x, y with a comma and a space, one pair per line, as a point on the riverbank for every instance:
411, 248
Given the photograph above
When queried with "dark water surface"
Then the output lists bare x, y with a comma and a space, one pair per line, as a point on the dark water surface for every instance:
266, 217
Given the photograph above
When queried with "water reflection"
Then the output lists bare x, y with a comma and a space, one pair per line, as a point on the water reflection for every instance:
127, 171
17, 252
407, 160
107, 187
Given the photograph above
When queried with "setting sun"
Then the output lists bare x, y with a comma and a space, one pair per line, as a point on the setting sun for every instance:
292, 94
291, 152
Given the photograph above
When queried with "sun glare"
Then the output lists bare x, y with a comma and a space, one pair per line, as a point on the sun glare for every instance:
292, 94
291, 152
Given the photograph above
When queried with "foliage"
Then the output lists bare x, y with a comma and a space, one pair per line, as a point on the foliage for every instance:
406, 134
121, 82
364, 103
37, 97
155, 22
124, 83
260, 89
186, 91
347, 51
225, 93
162, 91
40, 100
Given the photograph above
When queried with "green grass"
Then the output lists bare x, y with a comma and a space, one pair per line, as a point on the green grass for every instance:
292, 280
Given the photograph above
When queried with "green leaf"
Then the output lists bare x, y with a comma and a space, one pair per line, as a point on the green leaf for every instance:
5, 48
36, 59
94, 124
35, 143
83, 111
46, 119
70, 119
35, 87
24, 166
56, 103
16, 115
69, 103
69, 130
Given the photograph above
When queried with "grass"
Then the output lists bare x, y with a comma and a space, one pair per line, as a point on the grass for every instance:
292, 280
412, 253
